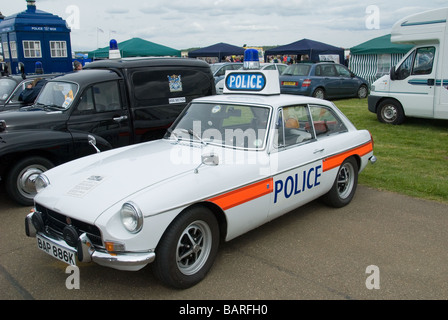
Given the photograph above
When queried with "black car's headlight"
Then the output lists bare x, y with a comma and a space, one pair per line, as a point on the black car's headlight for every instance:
131, 217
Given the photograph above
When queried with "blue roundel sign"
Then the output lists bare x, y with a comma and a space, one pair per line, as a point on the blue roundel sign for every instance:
247, 81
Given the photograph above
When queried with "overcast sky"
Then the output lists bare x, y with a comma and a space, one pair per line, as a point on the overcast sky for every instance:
183, 24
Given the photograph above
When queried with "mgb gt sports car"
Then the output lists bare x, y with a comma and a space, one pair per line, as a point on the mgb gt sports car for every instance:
228, 164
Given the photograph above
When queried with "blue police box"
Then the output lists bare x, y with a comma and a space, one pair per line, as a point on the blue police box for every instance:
38, 39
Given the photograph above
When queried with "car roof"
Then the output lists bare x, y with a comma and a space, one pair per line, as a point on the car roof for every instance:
88, 76
145, 62
275, 100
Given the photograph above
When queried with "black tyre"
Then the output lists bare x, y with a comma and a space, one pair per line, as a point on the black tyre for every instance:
344, 186
319, 93
21, 177
188, 248
363, 92
390, 111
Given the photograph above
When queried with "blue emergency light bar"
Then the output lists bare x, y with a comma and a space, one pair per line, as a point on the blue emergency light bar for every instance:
114, 53
251, 60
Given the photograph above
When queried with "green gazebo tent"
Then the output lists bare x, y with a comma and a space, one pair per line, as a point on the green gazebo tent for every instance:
374, 58
136, 47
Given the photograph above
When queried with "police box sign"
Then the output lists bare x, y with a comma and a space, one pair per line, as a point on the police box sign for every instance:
252, 81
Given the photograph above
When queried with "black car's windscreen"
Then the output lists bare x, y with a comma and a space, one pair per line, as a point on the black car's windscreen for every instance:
58, 95
236, 126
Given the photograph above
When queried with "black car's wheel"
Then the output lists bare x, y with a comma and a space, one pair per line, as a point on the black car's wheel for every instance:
390, 111
362, 92
319, 93
344, 186
188, 248
21, 177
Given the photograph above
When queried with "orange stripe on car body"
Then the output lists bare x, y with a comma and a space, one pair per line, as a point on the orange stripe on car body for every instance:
239, 196
336, 160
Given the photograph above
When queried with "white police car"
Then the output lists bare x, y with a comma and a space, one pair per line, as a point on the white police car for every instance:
227, 165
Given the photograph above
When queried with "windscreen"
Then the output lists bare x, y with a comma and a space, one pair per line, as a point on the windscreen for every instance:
230, 125
6, 87
58, 95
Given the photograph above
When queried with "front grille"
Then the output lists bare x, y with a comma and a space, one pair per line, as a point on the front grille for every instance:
55, 223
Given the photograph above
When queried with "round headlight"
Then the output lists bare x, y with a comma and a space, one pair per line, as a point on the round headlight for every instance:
41, 182
131, 217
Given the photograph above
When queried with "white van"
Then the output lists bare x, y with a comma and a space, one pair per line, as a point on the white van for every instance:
418, 85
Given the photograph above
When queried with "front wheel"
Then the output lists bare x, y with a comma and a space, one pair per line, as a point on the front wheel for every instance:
344, 186
21, 177
390, 111
188, 248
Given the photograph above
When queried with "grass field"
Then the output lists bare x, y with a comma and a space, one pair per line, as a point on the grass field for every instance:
412, 157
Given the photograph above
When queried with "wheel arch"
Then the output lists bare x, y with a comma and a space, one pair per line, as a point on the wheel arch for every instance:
392, 99
217, 212
8, 160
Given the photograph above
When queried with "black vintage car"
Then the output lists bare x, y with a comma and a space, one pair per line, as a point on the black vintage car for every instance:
113, 102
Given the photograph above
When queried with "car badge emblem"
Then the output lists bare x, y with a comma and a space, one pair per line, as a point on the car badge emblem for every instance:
175, 83
68, 220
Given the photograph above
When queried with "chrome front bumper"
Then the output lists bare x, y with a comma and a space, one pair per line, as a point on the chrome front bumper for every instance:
86, 252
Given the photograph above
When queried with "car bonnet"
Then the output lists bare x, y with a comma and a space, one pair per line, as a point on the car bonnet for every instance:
86, 187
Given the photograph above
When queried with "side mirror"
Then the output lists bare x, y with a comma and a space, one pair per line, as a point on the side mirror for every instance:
92, 141
208, 160
21, 67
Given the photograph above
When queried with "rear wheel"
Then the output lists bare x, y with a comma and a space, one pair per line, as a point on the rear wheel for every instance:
21, 177
319, 93
344, 186
188, 248
362, 92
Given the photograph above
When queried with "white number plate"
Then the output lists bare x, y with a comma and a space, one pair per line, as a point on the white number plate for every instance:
56, 251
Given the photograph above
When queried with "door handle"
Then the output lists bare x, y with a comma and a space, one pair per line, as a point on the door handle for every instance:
119, 119
431, 82
318, 150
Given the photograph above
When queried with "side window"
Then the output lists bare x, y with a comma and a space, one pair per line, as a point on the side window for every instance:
328, 71
343, 72
101, 97
293, 126
424, 60
404, 70
86, 104
325, 121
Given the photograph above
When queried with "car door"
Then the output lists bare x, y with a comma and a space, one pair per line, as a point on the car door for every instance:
307, 136
330, 79
348, 84
101, 111
414, 81
296, 160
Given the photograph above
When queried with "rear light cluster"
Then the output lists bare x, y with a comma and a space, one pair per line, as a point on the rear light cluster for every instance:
306, 83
